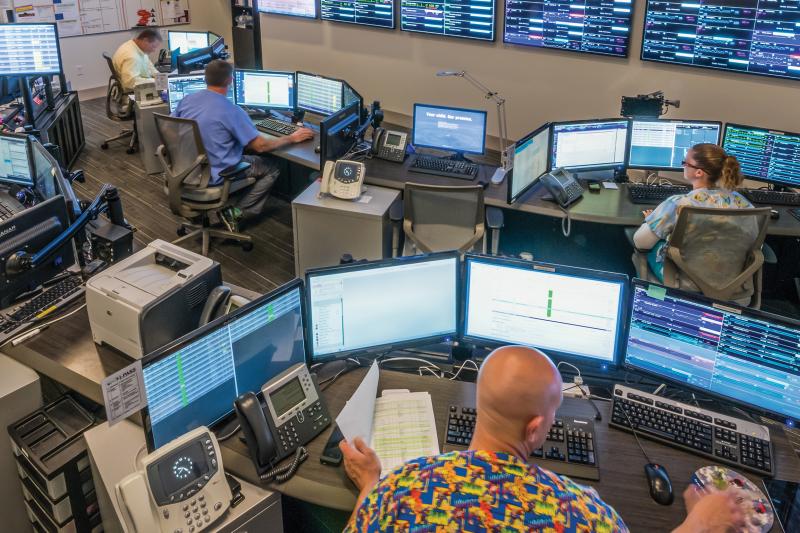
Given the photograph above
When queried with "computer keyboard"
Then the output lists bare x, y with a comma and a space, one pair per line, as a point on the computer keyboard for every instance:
276, 127
51, 299
6, 211
768, 197
641, 193
569, 449
733, 441
450, 168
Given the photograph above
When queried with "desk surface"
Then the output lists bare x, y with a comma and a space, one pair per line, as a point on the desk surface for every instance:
622, 482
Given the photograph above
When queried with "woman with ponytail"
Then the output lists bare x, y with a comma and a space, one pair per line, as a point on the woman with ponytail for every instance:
713, 175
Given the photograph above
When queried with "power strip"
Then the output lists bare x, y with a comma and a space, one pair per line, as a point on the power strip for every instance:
573, 390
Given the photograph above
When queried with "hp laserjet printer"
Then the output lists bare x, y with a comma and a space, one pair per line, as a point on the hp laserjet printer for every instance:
151, 298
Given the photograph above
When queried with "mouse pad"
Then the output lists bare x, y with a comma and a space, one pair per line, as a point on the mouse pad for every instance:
758, 511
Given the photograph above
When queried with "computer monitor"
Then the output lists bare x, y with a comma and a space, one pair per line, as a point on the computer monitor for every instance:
471, 19
374, 307
449, 128
336, 133
180, 86
29, 49
662, 144
737, 354
187, 41
15, 160
292, 8
378, 13
531, 160
318, 94
569, 313
590, 144
766, 155
31, 230
264, 89
194, 381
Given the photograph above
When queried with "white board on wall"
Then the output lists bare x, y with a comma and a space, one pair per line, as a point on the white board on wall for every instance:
87, 17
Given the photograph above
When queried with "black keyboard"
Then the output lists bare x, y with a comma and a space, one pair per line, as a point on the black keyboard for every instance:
569, 449
723, 438
51, 299
767, 197
276, 127
654, 194
437, 166
6, 211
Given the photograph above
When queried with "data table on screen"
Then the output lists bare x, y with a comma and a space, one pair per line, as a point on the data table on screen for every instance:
472, 19
378, 13
593, 26
752, 36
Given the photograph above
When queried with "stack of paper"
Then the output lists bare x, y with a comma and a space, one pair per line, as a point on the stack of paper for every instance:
399, 425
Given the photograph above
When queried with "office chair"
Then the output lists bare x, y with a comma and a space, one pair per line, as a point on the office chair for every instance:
119, 108
186, 176
438, 218
717, 252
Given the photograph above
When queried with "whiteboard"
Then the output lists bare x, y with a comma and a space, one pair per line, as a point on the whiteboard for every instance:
87, 17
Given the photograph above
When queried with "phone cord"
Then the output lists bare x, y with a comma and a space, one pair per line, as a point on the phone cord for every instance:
566, 222
282, 474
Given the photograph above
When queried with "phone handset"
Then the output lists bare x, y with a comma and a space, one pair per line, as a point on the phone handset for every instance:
293, 415
562, 186
342, 179
134, 499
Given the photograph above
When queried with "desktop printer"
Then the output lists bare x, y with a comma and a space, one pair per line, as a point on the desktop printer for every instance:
145, 93
151, 298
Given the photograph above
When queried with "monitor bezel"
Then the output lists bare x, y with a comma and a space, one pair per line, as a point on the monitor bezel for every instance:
437, 34
29, 153
392, 27
609, 166
768, 130
316, 111
534, 47
206, 33
58, 50
671, 120
220, 322
414, 128
511, 199
692, 65
584, 361
378, 349
293, 103
703, 300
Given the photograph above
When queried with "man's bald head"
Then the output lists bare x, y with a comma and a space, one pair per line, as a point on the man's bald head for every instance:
519, 390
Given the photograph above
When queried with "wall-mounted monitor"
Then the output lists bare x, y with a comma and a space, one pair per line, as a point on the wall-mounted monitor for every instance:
752, 37
472, 19
379, 13
292, 8
601, 27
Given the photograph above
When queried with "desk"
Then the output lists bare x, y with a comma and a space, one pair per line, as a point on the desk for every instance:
148, 135
622, 482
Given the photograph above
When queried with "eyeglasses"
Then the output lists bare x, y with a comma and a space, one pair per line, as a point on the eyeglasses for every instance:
685, 163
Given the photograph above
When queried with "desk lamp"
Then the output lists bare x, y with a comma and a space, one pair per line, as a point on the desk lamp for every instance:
489, 94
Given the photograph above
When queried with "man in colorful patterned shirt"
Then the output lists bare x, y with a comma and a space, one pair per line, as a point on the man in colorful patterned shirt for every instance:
490, 487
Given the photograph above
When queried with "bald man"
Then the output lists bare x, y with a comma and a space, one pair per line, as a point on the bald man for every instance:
491, 486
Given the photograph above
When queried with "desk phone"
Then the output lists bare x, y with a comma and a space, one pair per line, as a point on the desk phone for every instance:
181, 487
562, 186
342, 179
389, 145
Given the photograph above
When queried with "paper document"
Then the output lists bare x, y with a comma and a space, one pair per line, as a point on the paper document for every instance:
399, 425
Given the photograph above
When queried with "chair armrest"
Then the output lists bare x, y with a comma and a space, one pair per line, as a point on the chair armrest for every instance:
234, 171
494, 218
396, 211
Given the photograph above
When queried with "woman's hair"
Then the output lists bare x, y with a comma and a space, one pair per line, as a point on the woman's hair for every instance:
722, 169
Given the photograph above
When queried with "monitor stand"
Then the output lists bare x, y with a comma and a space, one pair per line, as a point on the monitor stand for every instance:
597, 175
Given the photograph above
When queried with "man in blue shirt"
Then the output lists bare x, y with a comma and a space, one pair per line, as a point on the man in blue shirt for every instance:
226, 131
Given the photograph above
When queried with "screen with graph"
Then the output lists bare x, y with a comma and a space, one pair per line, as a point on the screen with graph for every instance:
563, 311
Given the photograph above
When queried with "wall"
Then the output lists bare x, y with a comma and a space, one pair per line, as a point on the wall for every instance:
398, 68
85, 67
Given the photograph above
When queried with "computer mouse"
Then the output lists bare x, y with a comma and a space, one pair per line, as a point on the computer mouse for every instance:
316, 149
660, 485
774, 215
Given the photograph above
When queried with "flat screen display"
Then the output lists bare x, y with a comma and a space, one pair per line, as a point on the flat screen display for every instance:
379, 13
448, 128
472, 19
294, 8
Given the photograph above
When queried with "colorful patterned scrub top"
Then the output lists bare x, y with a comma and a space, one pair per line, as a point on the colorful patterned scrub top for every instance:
481, 491
663, 218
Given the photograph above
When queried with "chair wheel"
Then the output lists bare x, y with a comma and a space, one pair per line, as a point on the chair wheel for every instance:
181, 231
104, 146
247, 246
130, 150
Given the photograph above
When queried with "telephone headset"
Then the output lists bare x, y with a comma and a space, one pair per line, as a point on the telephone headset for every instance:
293, 414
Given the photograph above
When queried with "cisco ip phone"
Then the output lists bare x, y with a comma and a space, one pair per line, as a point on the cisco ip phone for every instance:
562, 186
342, 179
389, 145
293, 416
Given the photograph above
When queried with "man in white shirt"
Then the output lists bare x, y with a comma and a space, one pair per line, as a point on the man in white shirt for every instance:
132, 59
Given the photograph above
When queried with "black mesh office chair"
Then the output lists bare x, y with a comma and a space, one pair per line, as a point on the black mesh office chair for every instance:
119, 108
186, 181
